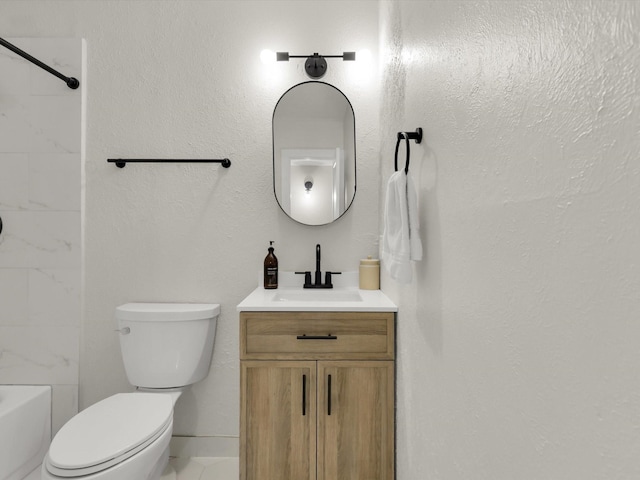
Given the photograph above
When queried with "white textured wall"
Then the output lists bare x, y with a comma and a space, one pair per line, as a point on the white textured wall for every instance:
40, 171
518, 339
184, 79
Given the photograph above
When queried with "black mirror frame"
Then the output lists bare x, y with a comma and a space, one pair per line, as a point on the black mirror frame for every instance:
273, 153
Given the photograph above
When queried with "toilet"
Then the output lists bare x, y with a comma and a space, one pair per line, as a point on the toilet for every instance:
165, 347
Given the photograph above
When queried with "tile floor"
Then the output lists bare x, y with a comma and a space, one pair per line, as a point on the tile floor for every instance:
203, 468
35, 475
196, 468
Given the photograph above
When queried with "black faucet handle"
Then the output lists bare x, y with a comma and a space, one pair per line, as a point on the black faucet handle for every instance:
307, 277
327, 278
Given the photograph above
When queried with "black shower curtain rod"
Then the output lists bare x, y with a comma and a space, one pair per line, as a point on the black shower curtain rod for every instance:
70, 81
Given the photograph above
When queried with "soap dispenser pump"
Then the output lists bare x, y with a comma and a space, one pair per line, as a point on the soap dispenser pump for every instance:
271, 269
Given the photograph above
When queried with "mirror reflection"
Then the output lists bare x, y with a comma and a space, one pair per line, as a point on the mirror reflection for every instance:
314, 153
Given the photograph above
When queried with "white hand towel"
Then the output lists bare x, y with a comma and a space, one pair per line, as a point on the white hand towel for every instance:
396, 247
401, 238
414, 221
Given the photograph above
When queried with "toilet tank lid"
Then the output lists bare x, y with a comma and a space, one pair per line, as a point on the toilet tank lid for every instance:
168, 312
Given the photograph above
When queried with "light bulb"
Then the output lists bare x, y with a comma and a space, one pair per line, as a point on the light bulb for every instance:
364, 56
267, 56
361, 70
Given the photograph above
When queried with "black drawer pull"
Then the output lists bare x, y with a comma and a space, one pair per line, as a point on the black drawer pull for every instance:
317, 337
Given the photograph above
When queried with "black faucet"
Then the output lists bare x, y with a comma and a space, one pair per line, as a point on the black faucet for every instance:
318, 279
318, 275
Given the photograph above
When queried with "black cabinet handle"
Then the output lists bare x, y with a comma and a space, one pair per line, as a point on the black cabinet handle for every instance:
304, 395
0, 224
329, 395
317, 337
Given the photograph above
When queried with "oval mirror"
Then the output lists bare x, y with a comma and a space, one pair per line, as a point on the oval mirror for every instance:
314, 153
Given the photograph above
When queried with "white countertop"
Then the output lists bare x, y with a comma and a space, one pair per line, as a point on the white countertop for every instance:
291, 297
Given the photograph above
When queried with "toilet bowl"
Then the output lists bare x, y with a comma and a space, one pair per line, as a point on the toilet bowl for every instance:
165, 347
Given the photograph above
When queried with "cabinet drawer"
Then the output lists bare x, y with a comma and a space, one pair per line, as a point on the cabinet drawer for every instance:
317, 335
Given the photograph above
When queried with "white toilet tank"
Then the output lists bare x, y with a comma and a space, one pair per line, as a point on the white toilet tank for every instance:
166, 345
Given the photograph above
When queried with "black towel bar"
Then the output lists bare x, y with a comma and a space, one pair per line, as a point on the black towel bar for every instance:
121, 162
71, 82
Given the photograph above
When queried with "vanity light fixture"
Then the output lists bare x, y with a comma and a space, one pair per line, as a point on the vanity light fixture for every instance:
315, 65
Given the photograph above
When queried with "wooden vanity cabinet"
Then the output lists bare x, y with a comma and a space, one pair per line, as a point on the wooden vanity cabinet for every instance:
317, 396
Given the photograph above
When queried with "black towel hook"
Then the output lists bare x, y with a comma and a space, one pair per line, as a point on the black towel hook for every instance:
417, 136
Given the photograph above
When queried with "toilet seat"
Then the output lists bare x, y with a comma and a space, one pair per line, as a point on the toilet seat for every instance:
108, 433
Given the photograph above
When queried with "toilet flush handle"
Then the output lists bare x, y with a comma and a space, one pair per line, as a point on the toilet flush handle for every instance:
123, 331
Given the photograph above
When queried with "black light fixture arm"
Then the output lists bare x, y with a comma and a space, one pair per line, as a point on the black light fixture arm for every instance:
316, 65
284, 56
71, 82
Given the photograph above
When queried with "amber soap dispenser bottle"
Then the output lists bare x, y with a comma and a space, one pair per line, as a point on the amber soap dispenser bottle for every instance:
271, 269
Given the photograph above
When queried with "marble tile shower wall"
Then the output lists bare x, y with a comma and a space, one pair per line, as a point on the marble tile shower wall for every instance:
40, 197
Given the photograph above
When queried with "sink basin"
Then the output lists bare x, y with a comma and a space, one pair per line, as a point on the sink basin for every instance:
291, 297
318, 296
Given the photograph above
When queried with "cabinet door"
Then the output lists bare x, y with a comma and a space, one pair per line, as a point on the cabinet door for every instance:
355, 420
278, 420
